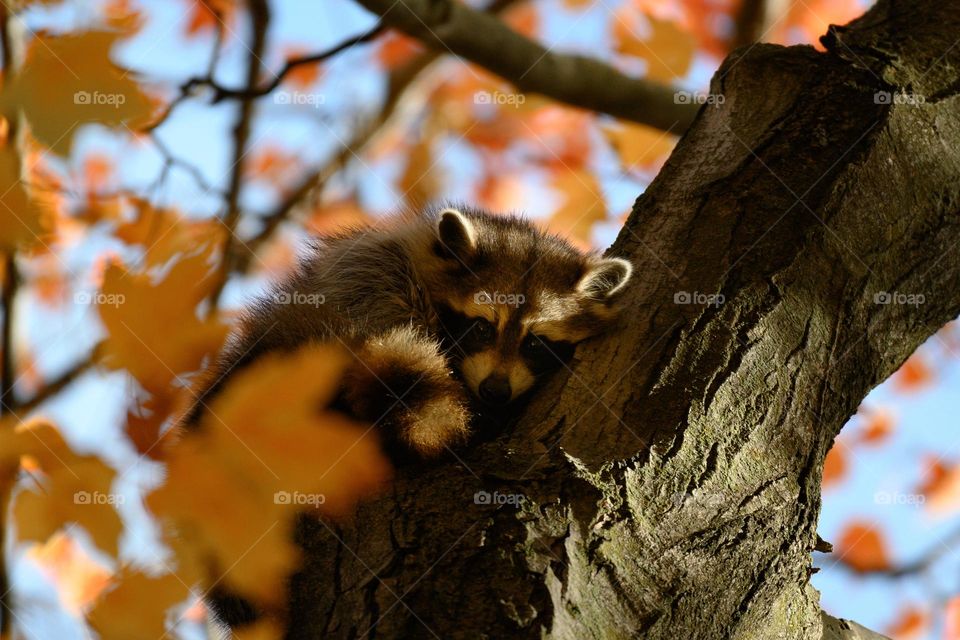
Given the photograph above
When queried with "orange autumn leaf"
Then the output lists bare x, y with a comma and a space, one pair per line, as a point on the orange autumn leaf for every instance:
395, 50
913, 375
302, 76
75, 73
862, 546
166, 234
68, 488
273, 164
422, 177
834, 466
263, 453
139, 312
120, 612
877, 428
79, 579
524, 19
337, 215
639, 146
97, 172
204, 15
911, 623
582, 206
22, 218
666, 48
940, 487
951, 619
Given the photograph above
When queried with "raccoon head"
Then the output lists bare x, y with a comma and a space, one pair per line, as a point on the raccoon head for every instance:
513, 301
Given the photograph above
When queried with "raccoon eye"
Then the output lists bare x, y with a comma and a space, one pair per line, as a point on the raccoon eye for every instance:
481, 331
535, 345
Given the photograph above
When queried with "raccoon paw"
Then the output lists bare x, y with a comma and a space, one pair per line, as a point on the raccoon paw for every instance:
401, 380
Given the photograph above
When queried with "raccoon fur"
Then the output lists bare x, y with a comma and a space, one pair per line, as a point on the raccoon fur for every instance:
445, 314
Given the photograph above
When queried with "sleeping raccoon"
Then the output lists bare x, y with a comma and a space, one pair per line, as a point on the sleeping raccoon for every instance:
446, 314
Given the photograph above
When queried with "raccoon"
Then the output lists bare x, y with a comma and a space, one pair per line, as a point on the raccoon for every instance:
447, 314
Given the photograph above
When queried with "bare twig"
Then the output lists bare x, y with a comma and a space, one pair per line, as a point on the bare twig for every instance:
479, 37
58, 384
260, 20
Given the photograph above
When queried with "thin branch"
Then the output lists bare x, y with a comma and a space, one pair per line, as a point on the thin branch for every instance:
580, 81
10, 283
260, 20
58, 384
399, 81
750, 23
221, 93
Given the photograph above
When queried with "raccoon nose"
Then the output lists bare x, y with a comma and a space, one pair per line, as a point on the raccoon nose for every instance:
495, 390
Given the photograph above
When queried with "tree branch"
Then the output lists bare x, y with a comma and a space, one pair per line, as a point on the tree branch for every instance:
260, 21
455, 27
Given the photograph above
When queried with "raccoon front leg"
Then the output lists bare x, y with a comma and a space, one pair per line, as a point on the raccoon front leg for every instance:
401, 380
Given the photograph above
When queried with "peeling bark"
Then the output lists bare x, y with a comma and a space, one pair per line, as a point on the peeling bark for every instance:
671, 479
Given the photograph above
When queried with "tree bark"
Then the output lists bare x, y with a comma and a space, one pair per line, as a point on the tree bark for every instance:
671, 479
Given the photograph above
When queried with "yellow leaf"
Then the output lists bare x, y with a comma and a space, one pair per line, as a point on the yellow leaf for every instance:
154, 330
68, 81
265, 450
78, 577
421, 179
136, 607
69, 488
638, 145
668, 51
583, 205
20, 215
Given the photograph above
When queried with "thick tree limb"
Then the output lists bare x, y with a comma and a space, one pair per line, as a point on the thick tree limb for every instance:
671, 481
455, 27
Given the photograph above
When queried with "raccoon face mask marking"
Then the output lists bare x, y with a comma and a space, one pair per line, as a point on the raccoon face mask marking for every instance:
513, 303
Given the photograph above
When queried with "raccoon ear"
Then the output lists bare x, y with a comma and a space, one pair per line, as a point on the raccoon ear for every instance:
606, 278
457, 234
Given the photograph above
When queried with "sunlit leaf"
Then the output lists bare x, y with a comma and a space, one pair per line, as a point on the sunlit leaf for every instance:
863, 547
70, 80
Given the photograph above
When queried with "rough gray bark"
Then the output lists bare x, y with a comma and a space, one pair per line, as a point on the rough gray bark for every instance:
672, 479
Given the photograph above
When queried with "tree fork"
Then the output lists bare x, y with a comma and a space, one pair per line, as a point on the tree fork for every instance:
671, 479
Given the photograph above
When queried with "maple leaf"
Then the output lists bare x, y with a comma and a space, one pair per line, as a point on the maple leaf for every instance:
154, 330
863, 547
639, 146
667, 49
136, 605
68, 81
582, 206
261, 445
79, 578
21, 216
68, 488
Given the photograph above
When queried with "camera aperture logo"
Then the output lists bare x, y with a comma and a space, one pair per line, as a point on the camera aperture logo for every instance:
298, 498
99, 298
693, 97
96, 98
300, 99
499, 98
699, 298
497, 498
898, 297
299, 298
508, 299
97, 498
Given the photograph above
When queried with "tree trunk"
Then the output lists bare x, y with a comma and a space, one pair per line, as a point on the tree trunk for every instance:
671, 480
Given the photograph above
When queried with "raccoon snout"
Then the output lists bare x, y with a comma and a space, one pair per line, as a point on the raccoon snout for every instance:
496, 389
